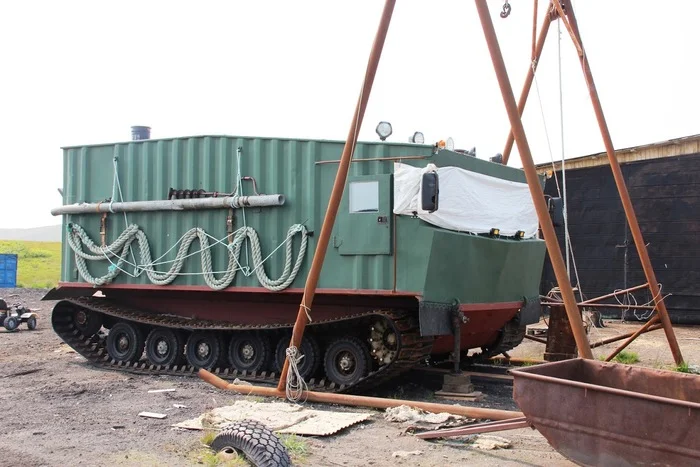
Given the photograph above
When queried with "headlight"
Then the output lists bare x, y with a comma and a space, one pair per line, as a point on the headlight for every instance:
384, 130
417, 138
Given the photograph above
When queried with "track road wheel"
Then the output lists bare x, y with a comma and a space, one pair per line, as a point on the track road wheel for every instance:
249, 351
259, 445
31, 323
204, 349
165, 347
347, 361
11, 323
125, 342
309, 365
88, 322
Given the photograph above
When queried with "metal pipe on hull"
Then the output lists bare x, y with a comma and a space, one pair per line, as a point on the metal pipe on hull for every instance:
226, 202
518, 131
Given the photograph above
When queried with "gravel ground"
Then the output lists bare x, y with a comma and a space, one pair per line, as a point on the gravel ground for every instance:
58, 410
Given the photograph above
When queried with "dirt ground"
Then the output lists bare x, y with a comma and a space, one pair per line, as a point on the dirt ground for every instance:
58, 410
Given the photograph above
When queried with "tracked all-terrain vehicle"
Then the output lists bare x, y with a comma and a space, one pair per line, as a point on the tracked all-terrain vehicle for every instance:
193, 252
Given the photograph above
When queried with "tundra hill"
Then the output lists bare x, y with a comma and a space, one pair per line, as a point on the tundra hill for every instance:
51, 233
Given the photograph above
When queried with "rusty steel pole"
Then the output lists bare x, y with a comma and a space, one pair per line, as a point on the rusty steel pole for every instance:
518, 131
624, 195
536, 53
534, 31
362, 401
649, 324
338, 186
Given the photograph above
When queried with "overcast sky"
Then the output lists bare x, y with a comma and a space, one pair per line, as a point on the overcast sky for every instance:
84, 72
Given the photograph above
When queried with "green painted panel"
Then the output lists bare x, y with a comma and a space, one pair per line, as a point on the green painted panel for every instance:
440, 264
364, 217
478, 269
302, 170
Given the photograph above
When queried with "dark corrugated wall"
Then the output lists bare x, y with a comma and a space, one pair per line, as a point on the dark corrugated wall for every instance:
666, 197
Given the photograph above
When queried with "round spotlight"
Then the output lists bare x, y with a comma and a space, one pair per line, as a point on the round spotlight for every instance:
417, 138
450, 144
384, 130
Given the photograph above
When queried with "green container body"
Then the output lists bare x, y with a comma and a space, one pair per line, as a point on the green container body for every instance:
369, 251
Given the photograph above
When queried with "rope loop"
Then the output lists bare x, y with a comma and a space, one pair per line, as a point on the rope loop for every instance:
296, 385
118, 251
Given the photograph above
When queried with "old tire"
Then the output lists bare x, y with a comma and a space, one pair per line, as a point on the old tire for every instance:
249, 351
309, 365
11, 323
88, 322
259, 445
125, 342
165, 347
204, 349
31, 323
347, 361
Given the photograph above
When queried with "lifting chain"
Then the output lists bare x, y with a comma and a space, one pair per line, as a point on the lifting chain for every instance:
506, 9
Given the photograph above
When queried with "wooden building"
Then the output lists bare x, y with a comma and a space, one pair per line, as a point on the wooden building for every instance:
663, 180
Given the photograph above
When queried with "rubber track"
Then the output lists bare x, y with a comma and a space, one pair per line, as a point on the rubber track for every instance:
414, 348
512, 335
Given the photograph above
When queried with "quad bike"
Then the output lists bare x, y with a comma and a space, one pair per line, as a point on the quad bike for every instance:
12, 316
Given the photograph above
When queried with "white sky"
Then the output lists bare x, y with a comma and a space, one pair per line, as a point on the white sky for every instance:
83, 72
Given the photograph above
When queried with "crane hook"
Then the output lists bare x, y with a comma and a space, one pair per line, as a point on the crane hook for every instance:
506, 9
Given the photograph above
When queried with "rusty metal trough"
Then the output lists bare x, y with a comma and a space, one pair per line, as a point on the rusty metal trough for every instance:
598, 413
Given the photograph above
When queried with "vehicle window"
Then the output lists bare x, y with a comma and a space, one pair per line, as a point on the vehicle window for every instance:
364, 196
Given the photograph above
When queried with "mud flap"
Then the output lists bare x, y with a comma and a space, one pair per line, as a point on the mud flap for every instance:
436, 318
530, 311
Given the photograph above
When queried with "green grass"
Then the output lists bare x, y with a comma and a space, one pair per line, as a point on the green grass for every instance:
38, 263
627, 357
683, 368
296, 446
208, 437
213, 459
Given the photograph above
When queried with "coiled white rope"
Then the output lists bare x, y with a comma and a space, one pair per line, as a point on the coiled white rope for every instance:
120, 248
296, 385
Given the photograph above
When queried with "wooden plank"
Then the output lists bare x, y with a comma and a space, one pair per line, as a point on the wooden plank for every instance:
472, 396
477, 374
152, 415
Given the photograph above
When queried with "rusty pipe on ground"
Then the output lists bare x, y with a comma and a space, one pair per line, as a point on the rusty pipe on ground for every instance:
613, 294
636, 334
338, 187
536, 339
518, 361
610, 340
605, 305
624, 194
537, 52
479, 428
518, 131
362, 401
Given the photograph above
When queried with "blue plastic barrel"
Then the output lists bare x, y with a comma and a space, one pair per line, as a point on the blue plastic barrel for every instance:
8, 271
140, 132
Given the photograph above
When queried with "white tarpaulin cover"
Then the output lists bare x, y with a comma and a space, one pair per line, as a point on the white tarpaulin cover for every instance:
468, 201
